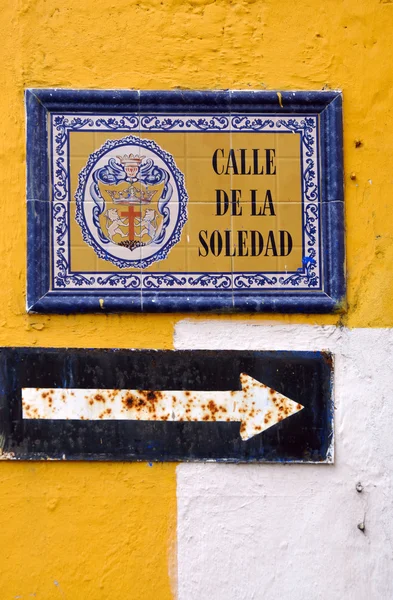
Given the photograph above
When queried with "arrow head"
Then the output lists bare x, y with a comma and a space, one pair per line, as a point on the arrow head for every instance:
262, 407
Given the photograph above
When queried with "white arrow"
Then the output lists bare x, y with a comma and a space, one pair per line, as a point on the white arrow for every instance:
256, 406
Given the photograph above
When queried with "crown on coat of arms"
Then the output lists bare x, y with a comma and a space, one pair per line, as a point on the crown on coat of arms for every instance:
131, 163
131, 195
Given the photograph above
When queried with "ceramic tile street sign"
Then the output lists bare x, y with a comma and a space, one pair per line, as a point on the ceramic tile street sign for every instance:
166, 405
184, 201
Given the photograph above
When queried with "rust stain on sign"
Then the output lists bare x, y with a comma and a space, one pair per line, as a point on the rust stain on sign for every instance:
256, 406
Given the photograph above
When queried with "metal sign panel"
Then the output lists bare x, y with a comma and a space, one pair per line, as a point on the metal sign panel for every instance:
234, 406
184, 201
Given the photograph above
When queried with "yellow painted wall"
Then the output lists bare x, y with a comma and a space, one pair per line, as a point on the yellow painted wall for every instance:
106, 531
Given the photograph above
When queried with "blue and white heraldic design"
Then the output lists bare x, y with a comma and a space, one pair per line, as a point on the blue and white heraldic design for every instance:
131, 202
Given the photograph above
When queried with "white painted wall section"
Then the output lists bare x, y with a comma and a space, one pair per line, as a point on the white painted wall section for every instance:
290, 532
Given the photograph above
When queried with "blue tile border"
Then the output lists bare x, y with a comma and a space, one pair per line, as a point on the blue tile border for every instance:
327, 105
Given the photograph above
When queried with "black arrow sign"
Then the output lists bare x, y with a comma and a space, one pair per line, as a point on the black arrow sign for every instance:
58, 381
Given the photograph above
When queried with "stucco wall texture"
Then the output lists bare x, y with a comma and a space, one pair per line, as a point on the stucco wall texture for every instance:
108, 531
292, 531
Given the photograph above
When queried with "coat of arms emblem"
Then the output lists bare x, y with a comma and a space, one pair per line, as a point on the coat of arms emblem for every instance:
131, 202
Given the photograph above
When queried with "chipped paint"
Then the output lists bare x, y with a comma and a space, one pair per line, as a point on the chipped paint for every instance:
256, 406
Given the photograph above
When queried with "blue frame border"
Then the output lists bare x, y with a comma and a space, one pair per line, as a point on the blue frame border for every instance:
41, 103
